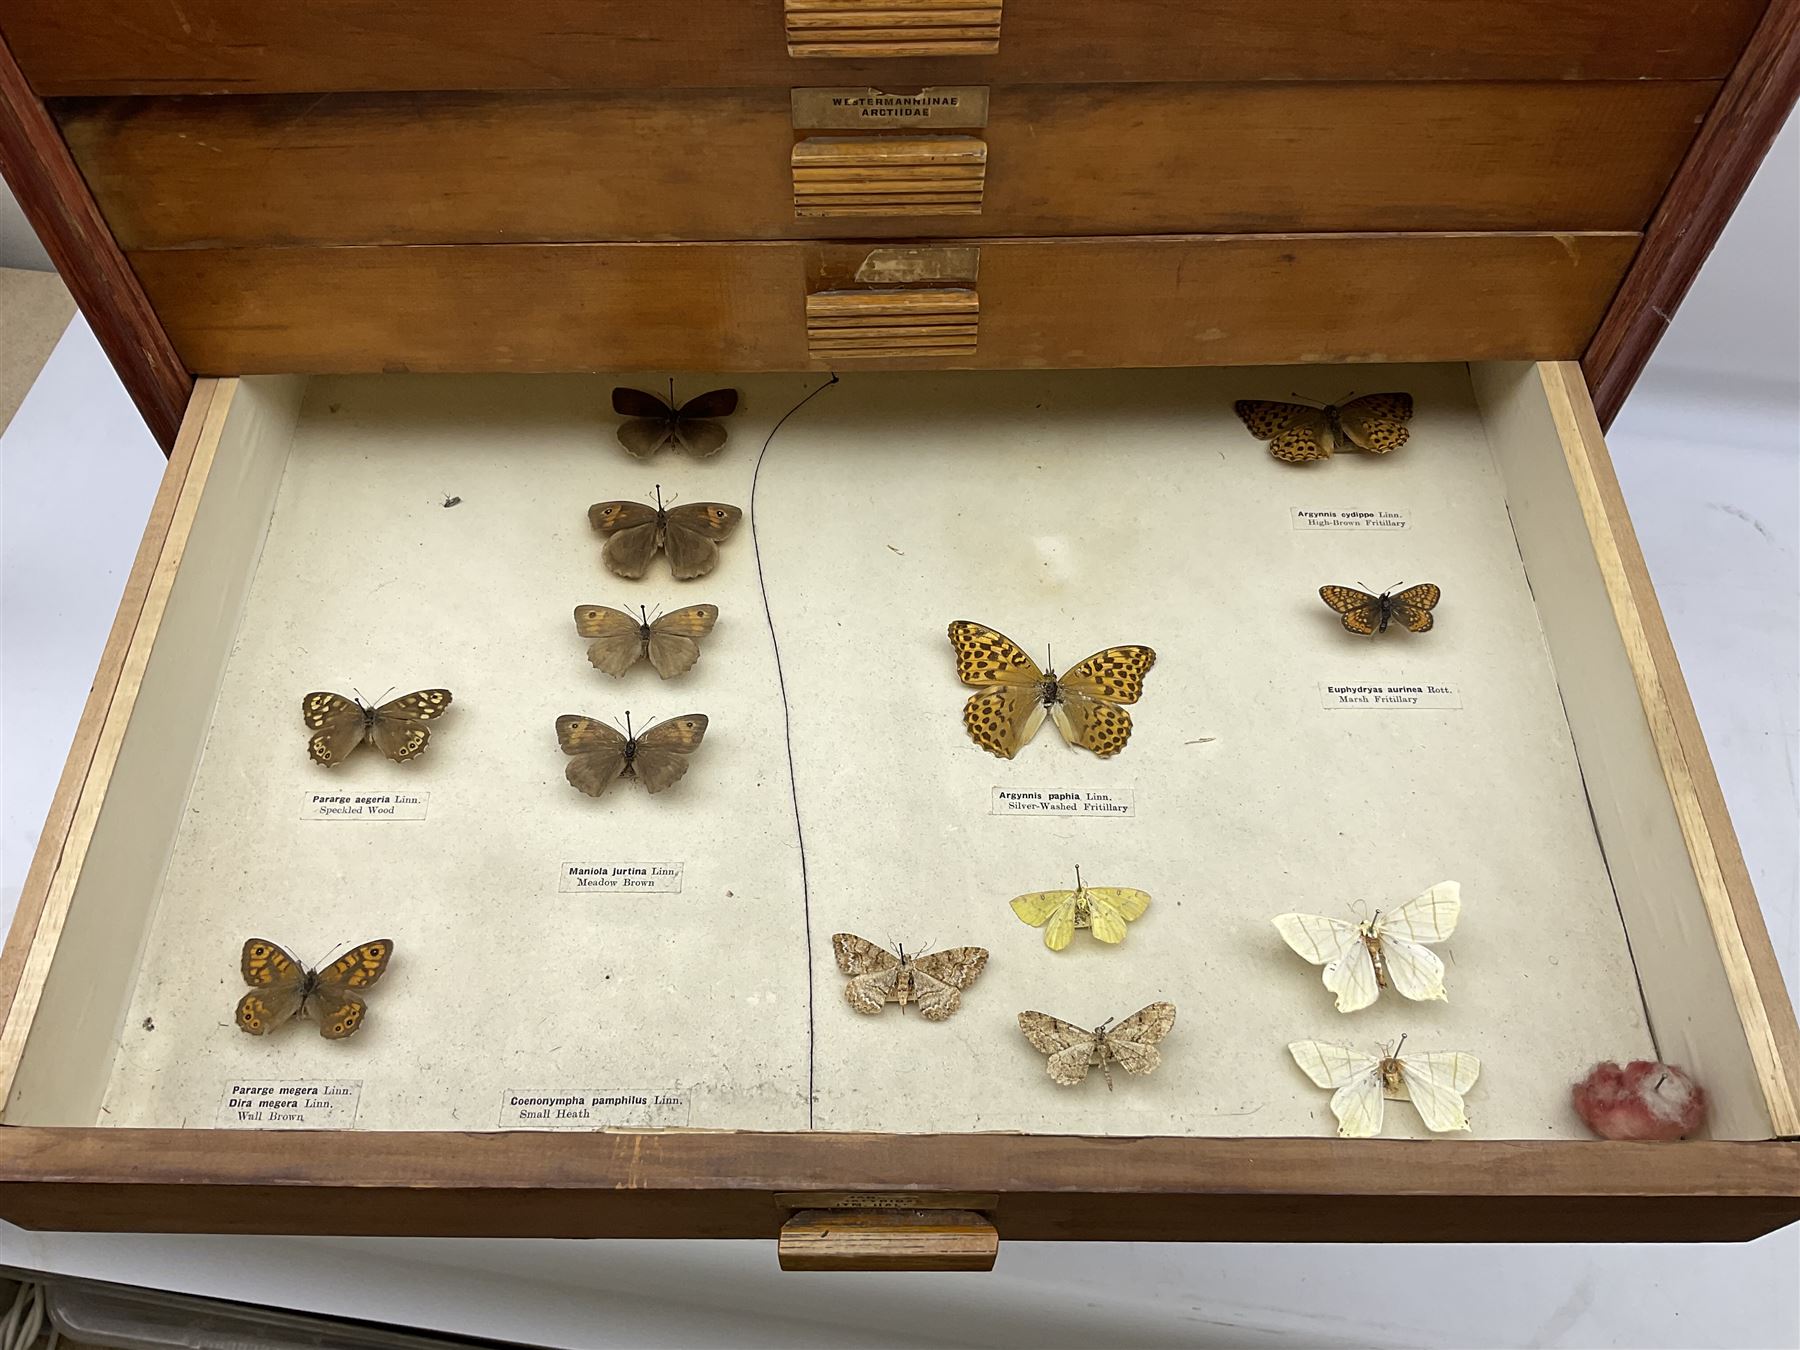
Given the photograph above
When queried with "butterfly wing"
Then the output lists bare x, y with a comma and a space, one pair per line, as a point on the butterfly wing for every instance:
1413, 606
1057, 908
1295, 432
1413, 968
1361, 611
618, 637
1338, 946
1111, 908
939, 976
693, 535
873, 972
1086, 713
275, 979
337, 725
663, 750
652, 424
400, 731
1070, 1048
337, 998
1133, 1041
1115, 675
1436, 1082
630, 530
985, 658
1377, 422
1356, 1078
675, 638
696, 435
1002, 720
597, 752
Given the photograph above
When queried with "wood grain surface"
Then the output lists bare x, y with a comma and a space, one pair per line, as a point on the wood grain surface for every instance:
229, 47
724, 1185
1151, 301
666, 165
1712, 180
49, 188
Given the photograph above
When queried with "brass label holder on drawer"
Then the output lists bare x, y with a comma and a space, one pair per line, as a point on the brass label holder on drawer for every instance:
888, 1230
889, 175
898, 28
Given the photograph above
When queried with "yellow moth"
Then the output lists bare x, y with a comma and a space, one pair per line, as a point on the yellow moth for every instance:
1102, 910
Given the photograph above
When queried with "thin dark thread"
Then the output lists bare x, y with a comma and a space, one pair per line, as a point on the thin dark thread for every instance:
787, 728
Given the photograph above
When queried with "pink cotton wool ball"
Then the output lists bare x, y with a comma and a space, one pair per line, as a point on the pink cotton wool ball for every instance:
1642, 1100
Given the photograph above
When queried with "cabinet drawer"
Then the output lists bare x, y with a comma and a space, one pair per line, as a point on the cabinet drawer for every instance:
1146, 301
224, 47
729, 1089
1085, 159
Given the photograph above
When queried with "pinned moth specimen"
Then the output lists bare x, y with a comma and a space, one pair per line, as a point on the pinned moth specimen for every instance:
397, 728
688, 427
1102, 910
1130, 1044
1015, 693
690, 534
1298, 432
282, 989
1388, 950
1366, 614
1361, 1084
878, 977
657, 756
670, 642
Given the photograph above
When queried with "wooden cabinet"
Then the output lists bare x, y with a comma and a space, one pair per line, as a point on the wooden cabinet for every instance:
340, 236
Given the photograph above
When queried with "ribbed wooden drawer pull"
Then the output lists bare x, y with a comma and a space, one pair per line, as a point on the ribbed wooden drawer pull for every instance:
884, 325
889, 176
878, 28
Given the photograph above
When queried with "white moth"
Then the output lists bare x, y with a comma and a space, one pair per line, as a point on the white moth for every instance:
1433, 1082
1362, 959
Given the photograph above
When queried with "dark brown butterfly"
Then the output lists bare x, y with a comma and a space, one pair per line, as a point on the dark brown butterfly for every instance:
655, 423
655, 756
1297, 433
1367, 614
690, 534
397, 728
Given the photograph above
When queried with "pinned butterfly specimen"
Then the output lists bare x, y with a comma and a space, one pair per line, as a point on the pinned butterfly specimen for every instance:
282, 989
1367, 614
397, 728
671, 643
1388, 950
879, 977
1361, 1084
1298, 432
688, 427
657, 756
1130, 1044
690, 534
1015, 694
1103, 910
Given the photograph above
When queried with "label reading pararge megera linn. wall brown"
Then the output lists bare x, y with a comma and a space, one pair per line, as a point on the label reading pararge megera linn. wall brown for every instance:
960, 106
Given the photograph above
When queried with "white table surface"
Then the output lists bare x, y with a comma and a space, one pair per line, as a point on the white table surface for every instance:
1714, 485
